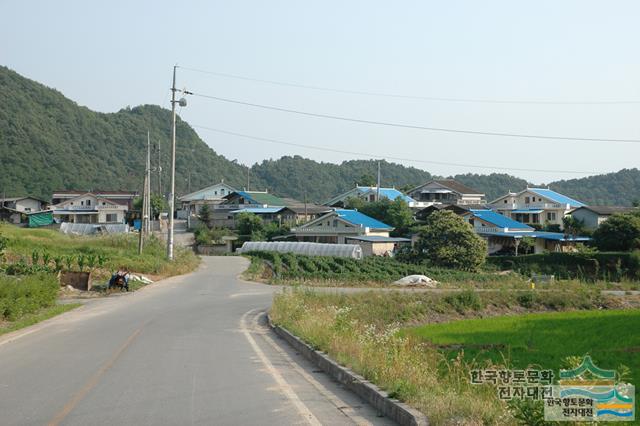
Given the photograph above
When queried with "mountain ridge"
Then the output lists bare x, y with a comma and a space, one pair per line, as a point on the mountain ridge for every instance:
49, 142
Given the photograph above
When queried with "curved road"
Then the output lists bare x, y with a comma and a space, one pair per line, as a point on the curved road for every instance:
189, 350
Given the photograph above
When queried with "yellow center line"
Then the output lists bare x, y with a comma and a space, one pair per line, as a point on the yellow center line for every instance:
93, 381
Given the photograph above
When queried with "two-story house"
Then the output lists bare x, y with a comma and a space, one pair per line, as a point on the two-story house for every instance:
90, 208
504, 234
369, 194
446, 191
118, 197
211, 195
536, 206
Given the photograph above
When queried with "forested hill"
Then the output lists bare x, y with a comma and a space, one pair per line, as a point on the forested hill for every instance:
48, 142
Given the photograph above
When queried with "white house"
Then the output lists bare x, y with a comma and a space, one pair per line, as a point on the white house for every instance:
90, 208
192, 203
118, 197
535, 206
15, 209
593, 216
446, 191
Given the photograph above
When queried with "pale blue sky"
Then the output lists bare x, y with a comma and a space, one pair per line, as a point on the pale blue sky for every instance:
107, 55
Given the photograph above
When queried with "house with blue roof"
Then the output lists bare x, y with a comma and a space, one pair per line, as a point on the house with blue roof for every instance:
504, 234
370, 194
536, 206
344, 226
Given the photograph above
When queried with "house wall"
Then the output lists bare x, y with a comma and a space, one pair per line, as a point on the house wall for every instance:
28, 205
119, 216
591, 220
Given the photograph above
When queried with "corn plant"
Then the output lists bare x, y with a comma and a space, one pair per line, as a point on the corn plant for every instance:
35, 257
58, 261
82, 262
92, 260
46, 258
102, 259
68, 261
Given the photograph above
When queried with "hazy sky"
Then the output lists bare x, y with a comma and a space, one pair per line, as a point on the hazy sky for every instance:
107, 55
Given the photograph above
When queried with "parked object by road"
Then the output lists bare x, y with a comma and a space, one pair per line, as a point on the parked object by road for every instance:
120, 280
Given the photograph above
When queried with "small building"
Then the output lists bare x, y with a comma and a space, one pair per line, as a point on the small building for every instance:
593, 216
459, 209
374, 245
190, 204
16, 209
536, 206
504, 234
369, 194
223, 214
90, 208
446, 191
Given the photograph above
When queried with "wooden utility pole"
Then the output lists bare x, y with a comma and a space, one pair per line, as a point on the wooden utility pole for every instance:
378, 187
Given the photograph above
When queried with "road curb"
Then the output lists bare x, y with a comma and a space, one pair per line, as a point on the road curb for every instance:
397, 411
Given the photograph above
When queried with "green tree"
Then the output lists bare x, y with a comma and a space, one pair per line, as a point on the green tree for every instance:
158, 205
205, 215
272, 230
366, 180
573, 226
447, 240
395, 213
250, 225
621, 232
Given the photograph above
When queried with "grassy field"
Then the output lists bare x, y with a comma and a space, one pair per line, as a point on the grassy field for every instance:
118, 250
545, 340
363, 331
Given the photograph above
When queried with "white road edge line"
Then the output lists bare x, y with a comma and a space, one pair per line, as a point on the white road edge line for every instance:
282, 384
342, 406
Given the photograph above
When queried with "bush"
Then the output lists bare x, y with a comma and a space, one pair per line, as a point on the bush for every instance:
464, 301
21, 296
621, 232
589, 266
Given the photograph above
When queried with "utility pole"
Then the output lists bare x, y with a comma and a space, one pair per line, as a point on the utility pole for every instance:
248, 171
378, 188
142, 216
306, 217
173, 166
147, 187
159, 171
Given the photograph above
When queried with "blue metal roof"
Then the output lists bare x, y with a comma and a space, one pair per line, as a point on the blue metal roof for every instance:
498, 220
360, 219
527, 211
557, 197
390, 193
380, 239
555, 236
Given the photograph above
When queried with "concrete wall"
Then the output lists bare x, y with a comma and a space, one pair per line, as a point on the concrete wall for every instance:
28, 205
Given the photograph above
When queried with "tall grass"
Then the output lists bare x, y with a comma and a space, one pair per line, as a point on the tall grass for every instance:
362, 336
26, 295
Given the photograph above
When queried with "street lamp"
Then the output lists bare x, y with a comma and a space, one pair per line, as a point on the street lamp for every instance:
182, 102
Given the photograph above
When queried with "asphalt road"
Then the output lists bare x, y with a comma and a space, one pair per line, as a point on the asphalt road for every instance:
191, 350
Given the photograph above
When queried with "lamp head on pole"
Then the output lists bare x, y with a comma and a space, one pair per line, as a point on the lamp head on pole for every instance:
182, 102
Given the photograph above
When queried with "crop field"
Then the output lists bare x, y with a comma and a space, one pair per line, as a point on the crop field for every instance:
546, 339
292, 267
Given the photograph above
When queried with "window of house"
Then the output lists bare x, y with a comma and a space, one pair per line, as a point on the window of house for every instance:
88, 202
104, 204
111, 217
222, 191
505, 201
551, 216
82, 203
527, 200
335, 223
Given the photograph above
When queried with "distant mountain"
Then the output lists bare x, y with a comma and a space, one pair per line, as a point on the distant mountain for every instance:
48, 142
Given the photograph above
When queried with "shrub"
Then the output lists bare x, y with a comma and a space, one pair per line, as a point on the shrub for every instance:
464, 301
620, 232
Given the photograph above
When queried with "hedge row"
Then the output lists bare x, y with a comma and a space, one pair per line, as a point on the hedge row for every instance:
21, 296
584, 266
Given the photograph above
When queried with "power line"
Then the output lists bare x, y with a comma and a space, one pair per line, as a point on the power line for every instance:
386, 157
424, 98
416, 127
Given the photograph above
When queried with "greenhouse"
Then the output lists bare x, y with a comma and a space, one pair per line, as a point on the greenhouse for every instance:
353, 251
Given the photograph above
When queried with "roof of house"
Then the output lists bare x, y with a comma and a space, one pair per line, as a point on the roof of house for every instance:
360, 219
557, 197
309, 209
13, 199
97, 192
259, 210
498, 220
390, 193
457, 186
380, 239
554, 236
608, 210
527, 211
263, 198
200, 194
